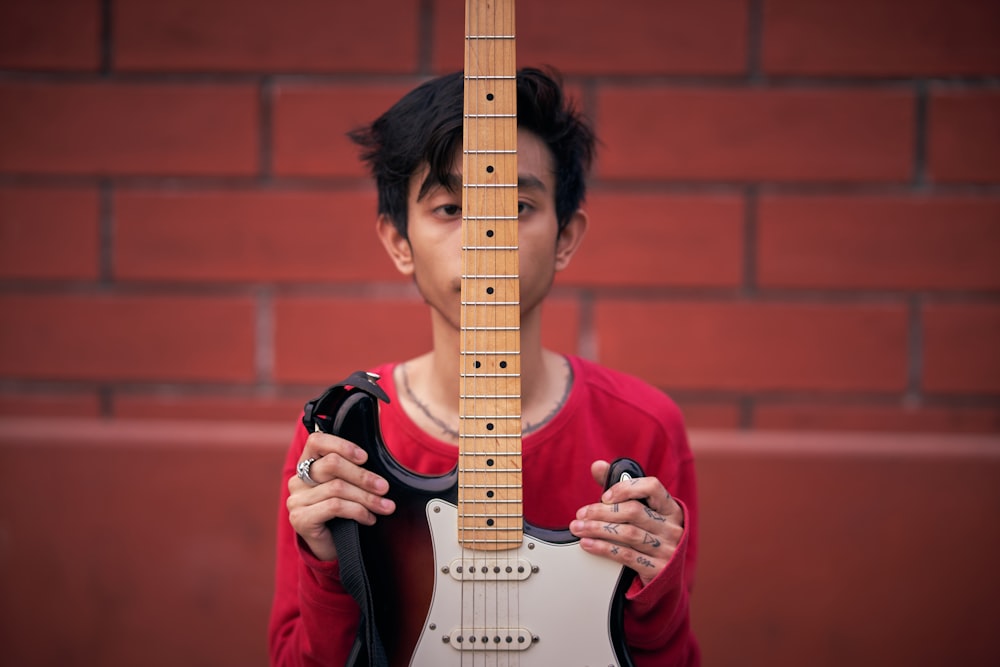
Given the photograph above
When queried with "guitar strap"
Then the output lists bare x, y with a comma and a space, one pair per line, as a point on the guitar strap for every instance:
326, 414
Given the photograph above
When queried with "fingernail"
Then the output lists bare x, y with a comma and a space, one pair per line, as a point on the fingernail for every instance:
575, 526
607, 496
381, 485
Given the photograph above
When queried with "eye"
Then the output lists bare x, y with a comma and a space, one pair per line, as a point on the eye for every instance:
524, 208
449, 210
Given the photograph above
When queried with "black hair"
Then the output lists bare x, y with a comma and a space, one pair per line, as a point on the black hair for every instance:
425, 127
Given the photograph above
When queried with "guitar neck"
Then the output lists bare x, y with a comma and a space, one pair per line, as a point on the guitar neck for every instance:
490, 514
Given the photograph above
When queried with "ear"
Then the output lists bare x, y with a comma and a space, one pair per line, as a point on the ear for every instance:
570, 238
395, 244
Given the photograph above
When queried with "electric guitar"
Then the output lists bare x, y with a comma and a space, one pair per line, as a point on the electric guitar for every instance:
456, 576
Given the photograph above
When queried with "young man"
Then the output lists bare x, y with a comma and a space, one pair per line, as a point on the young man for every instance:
576, 415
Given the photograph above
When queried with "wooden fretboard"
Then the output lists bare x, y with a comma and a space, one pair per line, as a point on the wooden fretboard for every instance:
489, 477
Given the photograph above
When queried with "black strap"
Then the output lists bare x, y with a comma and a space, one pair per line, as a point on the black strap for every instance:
368, 648
325, 414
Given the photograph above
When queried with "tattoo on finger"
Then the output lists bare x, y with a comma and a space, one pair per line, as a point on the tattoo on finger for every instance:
649, 539
642, 560
652, 514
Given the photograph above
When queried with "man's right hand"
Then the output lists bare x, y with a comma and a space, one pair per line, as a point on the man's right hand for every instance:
343, 489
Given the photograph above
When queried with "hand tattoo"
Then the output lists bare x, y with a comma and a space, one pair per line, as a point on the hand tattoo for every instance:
611, 528
642, 560
653, 515
649, 539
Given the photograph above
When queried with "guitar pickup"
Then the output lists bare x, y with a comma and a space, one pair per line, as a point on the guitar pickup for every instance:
490, 639
486, 569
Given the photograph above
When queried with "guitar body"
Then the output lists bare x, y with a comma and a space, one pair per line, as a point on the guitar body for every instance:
430, 596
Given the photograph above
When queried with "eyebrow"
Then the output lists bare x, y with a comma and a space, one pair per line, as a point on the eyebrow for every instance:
454, 183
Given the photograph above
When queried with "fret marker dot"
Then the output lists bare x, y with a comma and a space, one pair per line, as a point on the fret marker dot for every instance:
489, 169
489, 290
489, 494
489, 522
489, 233
478, 364
489, 462
489, 96
503, 364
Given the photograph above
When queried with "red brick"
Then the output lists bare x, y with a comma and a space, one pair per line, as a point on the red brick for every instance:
645, 37
235, 35
50, 34
56, 403
322, 340
859, 417
639, 239
249, 236
756, 346
918, 243
710, 414
803, 135
49, 233
963, 141
880, 37
109, 338
961, 350
561, 325
311, 125
106, 128
216, 408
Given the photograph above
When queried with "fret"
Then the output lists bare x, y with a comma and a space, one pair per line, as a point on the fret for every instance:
491, 328
489, 36
490, 77
490, 375
488, 435
490, 486
493, 151
488, 352
496, 276
489, 185
486, 397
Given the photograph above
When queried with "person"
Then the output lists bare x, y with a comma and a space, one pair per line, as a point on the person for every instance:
576, 414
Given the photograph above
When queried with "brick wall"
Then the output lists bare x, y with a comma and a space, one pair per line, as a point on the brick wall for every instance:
796, 210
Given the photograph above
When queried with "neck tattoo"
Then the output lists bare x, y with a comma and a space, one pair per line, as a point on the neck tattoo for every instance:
526, 429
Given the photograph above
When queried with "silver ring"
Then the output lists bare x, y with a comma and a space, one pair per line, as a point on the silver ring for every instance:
302, 470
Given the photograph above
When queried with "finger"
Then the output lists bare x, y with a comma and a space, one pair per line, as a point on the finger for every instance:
336, 458
648, 490
320, 444
314, 506
647, 526
599, 471
647, 566
655, 543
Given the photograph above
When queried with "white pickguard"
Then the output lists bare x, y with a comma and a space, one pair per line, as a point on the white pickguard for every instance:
560, 612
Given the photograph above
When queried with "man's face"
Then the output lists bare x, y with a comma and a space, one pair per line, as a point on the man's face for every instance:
435, 232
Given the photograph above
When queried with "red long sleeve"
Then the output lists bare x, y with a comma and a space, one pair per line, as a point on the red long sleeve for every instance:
608, 415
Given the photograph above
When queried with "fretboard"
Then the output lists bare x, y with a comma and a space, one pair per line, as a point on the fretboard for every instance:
489, 477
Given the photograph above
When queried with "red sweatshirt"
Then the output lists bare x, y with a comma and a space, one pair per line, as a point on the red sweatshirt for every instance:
606, 416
